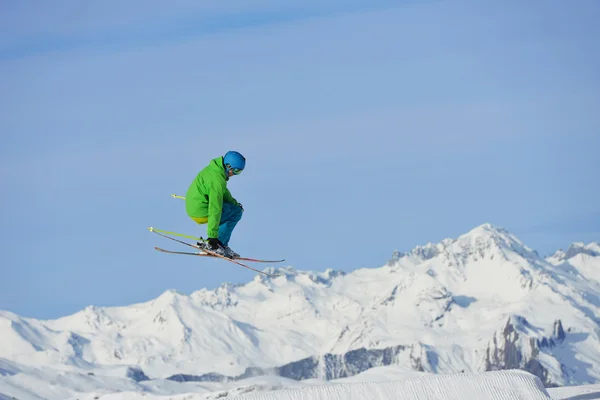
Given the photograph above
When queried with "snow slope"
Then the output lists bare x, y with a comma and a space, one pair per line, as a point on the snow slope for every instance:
505, 385
580, 259
481, 302
512, 385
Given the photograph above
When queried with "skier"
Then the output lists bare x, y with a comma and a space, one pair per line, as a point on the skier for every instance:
208, 201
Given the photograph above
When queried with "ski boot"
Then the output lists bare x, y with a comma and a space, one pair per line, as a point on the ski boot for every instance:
230, 253
221, 249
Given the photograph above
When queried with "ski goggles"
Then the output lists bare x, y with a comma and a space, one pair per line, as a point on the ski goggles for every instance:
236, 171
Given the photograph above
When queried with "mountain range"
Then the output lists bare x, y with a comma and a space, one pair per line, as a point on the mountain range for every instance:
481, 302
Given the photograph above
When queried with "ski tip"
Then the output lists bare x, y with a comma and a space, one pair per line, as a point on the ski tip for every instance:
259, 260
272, 272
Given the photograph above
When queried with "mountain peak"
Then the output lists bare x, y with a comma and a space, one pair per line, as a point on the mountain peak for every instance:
491, 233
487, 230
488, 236
480, 240
592, 249
169, 298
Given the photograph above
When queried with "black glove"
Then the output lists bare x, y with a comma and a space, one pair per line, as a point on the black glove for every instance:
214, 243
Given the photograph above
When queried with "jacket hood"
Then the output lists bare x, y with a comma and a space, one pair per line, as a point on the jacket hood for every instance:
217, 164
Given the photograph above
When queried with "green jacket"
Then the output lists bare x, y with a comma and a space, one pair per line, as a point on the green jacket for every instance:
206, 195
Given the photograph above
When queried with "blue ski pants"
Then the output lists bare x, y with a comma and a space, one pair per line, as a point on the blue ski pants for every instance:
230, 216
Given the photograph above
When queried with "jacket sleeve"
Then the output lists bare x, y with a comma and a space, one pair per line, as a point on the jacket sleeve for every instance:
215, 208
229, 198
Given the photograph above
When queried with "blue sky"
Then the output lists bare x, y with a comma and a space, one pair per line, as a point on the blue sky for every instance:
368, 127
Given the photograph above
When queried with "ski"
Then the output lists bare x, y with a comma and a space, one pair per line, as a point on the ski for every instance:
151, 229
258, 260
201, 253
206, 252
189, 253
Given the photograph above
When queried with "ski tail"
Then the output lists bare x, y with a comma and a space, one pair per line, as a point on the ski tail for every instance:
162, 232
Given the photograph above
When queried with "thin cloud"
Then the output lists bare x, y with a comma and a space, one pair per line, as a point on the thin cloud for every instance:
66, 27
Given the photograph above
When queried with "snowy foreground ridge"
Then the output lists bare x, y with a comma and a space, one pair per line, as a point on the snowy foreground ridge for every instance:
499, 385
481, 303
509, 385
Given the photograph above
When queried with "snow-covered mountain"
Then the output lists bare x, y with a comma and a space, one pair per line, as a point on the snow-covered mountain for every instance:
483, 301
584, 258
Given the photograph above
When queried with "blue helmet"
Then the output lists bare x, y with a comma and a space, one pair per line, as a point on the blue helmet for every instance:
234, 161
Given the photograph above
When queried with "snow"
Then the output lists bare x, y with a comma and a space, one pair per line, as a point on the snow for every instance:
580, 259
482, 301
509, 385
501, 385
586, 392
